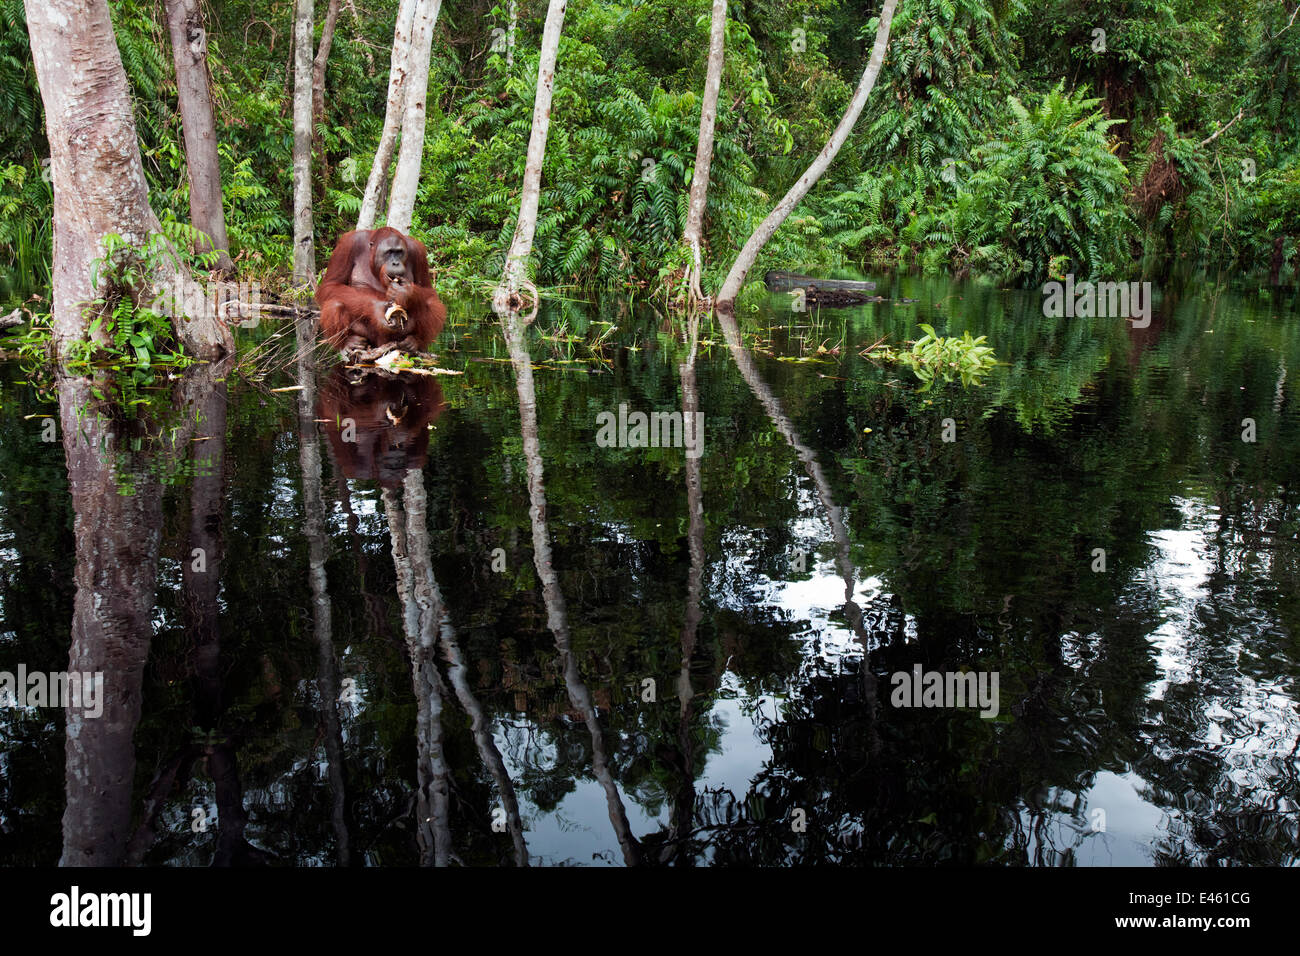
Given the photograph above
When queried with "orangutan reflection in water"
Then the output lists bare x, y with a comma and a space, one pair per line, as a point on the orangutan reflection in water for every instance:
378, 422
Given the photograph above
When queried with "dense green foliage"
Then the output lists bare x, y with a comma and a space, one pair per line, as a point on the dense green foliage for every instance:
127, 334
1002, 137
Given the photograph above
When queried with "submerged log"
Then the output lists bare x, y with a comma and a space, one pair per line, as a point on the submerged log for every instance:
789, 281
824, 292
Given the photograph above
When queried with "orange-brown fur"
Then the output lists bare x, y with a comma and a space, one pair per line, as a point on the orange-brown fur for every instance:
358, 292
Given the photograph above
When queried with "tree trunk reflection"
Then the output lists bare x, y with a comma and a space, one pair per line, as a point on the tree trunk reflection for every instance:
314, 529
552, 596
116, 500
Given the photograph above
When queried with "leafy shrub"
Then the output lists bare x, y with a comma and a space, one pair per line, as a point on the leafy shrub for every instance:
936, 358
1051, 186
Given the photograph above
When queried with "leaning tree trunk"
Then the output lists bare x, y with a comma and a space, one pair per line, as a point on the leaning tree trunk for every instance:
507, 293
744, 262
318, 89
401, 199
397, 72
693, 235
99, 184
304, 246
190, 54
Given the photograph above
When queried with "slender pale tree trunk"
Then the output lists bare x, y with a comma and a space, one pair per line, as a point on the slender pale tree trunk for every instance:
304, 245
401, 199
99, 184
507, 293
190, 54
726, 300
318, 88
693, 235
397, 72
322, 58
510, 35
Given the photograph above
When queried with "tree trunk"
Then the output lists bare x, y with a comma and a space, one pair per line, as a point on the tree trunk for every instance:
318, 89
510, 35
744, 262
99, 184
827, 293
286, 99
790, 281
401, 200
392, 115
190, 54
693, 236
506, 295
304, 246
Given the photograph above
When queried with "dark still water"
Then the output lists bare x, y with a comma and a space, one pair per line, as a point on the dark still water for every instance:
324, 639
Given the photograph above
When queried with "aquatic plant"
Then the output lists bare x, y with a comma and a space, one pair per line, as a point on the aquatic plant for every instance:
937, 358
